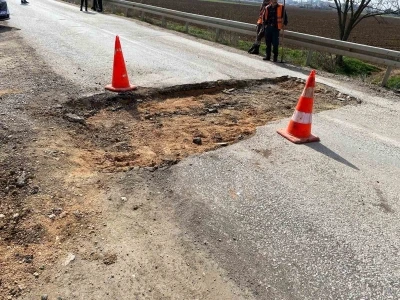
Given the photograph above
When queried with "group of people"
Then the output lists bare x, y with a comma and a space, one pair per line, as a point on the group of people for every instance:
97, 5
271, 21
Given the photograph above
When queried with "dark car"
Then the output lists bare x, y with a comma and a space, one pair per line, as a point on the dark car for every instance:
4, 13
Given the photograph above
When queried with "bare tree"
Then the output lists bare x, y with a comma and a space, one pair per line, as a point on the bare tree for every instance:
396, 7
352, 12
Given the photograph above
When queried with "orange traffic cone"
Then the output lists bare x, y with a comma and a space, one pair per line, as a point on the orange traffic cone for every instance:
299, 128
120, 80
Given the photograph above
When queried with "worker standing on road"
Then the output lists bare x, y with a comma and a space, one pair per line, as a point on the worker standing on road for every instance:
85, 4
94, 6
275, 19
100, 5
255, 49
97, 5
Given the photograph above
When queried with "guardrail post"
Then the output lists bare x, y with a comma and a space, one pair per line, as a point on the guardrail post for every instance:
126, 12
142, 15
309, 56
187, 27
217, 34
387, 74
163, 23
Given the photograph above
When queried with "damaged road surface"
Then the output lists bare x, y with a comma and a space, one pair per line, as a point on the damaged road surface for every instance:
186, 191
158, 127
85, 211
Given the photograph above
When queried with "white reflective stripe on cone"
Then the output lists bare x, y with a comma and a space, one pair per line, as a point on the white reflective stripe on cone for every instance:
308, 92
302, 117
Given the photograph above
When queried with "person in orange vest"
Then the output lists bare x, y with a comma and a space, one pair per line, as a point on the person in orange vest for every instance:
255, 49
275, 18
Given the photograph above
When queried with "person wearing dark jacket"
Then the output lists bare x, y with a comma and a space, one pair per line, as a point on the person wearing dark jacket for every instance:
100, 5
255, 49
97, 5
85, 4
275, 18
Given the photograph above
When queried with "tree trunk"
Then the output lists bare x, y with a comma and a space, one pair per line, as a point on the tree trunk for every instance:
339, 60
344, 35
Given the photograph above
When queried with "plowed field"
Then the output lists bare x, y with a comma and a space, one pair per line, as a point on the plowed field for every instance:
379, 32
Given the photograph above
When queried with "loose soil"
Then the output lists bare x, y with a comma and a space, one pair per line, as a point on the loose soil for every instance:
82, 215
156, 128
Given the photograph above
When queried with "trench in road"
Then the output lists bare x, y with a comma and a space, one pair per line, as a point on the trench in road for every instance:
159, 127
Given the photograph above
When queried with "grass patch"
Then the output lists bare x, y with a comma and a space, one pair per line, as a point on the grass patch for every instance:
355, 67
176, 27
294, 56
394, 82
246, 45
202, 33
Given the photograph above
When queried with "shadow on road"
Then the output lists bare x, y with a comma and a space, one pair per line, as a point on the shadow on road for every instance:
6, 28
328, 152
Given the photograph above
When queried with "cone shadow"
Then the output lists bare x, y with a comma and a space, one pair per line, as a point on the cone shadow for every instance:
328, 152
7, 28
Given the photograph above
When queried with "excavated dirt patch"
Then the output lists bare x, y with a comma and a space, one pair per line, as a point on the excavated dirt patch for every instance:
155, 128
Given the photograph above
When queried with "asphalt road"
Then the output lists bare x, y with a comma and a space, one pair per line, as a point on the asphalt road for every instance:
80, 46
316, 221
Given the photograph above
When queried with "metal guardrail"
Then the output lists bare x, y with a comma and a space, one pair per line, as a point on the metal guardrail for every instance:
381, 56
